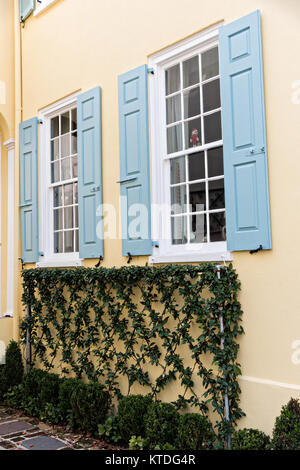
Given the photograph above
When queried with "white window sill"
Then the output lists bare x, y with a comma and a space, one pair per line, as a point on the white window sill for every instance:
59, 264
191, 257
43, 6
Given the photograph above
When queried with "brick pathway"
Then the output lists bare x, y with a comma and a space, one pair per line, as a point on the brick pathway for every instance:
18, 432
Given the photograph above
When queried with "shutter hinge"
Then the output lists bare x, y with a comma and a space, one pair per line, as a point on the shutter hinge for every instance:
150, 70
41, 253
155, 244
40, 121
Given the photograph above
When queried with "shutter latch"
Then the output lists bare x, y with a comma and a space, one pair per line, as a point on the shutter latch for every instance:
260, 248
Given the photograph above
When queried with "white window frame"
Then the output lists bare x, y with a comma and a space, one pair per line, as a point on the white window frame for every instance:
48, 257
164, 251
42, 6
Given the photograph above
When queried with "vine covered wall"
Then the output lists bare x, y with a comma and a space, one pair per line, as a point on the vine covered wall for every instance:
106, 324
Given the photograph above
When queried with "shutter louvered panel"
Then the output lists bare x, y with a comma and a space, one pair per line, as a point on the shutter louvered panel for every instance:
244, 135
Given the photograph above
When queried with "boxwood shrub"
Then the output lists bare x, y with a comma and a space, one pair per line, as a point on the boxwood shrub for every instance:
286, 432
161, 420
11, 373
131, 413
90, 404
195, 432
250, 439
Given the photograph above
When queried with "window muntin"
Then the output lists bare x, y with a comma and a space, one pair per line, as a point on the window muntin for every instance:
64, 177
193, 120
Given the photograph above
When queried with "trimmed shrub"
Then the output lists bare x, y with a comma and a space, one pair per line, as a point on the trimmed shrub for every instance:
250, 439
11, 373
14, 368
66, 389
131, 413
286, 432
49, 391
161, 422
90, 406
195, 432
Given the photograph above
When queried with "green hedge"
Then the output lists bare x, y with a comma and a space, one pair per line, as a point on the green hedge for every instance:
250, 439
286, 432
80, 405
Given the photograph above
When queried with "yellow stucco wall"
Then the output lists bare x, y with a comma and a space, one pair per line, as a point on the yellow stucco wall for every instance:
7, 126
75, 46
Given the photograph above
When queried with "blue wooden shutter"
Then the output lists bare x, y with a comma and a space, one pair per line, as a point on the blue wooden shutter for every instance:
29, 190
90, 174
134, 162
26, 8
244, 135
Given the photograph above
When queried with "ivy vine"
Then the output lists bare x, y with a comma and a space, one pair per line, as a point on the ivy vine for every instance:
107, 323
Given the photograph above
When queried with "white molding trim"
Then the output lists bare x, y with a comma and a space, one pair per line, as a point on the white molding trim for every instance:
59, 264
50, 259
187, 257
10, 145
269, 382
43, 6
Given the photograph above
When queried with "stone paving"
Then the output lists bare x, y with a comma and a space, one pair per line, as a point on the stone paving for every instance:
19, 432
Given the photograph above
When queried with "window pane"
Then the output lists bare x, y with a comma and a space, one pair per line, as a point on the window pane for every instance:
173, 110
210, 64
196, 166
211, 95
68, 217
217, 227
198, 228
65, 123
69, 241
55, 172
215, 162
76, 241
177, 166
74, 119
174, 139
212, 127
58, 242
65, 169
55, 127
58, 219
74, 143
54, 149
216, 194
197, 197
191, 100
191, 72
75, 193
179, 230
57, 196
65, 145
76, 216
192, 132
74, 167
172, 79
68, 194
178, 199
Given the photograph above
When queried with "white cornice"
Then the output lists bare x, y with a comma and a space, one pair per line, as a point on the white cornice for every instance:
9, 144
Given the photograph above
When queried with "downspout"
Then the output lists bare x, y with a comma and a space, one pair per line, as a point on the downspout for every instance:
17, 118
226, 401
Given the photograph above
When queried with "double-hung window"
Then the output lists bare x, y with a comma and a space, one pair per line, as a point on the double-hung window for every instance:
187, 154
59, 185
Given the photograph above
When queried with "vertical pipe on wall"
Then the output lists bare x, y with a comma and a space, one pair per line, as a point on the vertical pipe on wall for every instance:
226, 400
